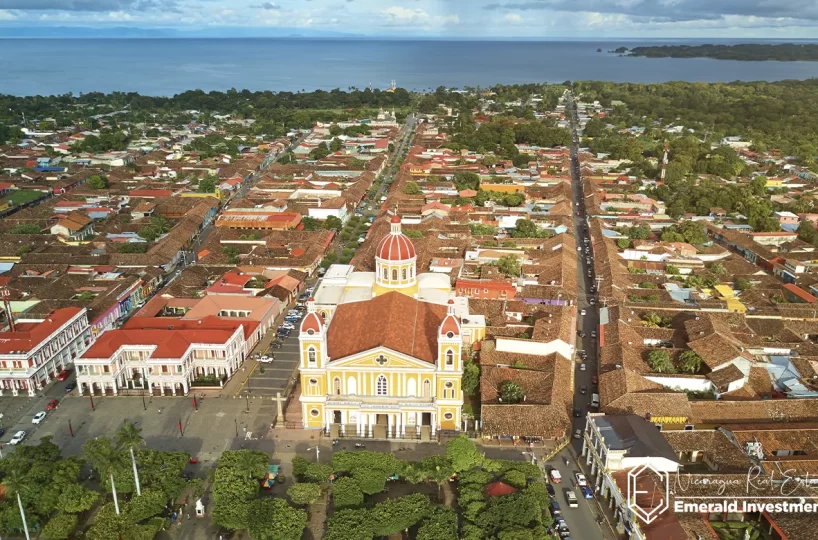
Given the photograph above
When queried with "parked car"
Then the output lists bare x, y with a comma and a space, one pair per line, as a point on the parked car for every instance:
582, 312
556, 477
592, 300
266, 359
570, 498
577, 413
288, 325
582, 367
595, 379
70, 386
18, 438
52, 405
64, 374
587, 492
583, 390
39, 417
275, 344
551, 490
593, 333
578, 434
580, 478
555, 508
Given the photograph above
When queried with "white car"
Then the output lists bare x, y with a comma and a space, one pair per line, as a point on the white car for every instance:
288, 326
18, 438
582, 312
579, 248
581, 482
266, 359
578, 434
39, 417
582, 367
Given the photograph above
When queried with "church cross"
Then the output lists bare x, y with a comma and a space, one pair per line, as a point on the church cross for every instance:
381, 360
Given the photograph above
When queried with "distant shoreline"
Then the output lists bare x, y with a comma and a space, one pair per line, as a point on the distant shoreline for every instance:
748, 52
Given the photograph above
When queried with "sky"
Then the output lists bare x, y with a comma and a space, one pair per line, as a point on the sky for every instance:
777, 19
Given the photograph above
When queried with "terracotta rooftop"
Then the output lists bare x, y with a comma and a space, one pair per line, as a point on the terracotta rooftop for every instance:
392, 320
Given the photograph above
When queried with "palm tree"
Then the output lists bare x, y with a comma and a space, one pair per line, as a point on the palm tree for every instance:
107, 460
15, 482
246, 463
129, 436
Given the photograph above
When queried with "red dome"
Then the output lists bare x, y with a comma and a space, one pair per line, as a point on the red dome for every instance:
395, 247
450, 324
313, 321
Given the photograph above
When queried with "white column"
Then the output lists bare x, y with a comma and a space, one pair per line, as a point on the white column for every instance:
398, 424
360, 423
434, 423
369, 423
328, 419
388, 426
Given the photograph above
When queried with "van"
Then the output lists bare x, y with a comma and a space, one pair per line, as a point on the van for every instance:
571, 499
595, 400
556, 477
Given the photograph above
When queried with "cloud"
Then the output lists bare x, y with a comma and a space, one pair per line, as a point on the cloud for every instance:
676, 10
267, 5
513, 18
401, 16
88, 5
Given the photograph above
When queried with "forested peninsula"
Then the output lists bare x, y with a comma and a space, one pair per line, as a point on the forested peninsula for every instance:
783, 52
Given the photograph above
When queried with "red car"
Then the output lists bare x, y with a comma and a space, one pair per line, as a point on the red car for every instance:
63, 374
595, 379
52, 405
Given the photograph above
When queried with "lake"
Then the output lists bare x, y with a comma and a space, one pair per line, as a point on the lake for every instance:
169, 66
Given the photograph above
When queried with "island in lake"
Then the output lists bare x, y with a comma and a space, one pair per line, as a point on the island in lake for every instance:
783, 52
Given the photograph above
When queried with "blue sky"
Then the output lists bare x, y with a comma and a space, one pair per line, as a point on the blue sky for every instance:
778, 19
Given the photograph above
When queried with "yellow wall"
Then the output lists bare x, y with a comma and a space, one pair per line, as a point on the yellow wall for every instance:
502, 188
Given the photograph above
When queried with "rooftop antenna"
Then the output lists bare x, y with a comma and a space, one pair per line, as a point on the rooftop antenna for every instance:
370, 86
6, 294
393, 85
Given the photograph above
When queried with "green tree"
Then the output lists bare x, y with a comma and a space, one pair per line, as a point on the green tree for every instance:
412, 188
28, 228
127, 438
335, 144
718, 269
440, 524
509, 265
60, 526
470, 381
371, 481
395, 515
742, 284
511, 392
357, 524
623, 243
480, 229
75, 499
299, 465
515, 479
310, 224
107, 459
333, 223
97, 181
466, 180
346, 493
691, 362
660, 361
463, 454
274, 519
525, 228
318, 473
207, 184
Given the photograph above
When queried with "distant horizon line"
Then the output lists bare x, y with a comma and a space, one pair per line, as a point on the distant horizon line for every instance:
582, 39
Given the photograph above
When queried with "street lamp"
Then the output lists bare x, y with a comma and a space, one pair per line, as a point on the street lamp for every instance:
317, 453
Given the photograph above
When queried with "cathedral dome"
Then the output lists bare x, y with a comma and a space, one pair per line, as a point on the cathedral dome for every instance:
396, 246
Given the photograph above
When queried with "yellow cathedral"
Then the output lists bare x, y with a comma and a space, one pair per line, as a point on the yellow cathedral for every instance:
381, 352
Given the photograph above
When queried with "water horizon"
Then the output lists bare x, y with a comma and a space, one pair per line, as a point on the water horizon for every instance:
166, 66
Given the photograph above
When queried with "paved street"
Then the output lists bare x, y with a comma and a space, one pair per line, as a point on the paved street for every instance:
268, 378
584, 517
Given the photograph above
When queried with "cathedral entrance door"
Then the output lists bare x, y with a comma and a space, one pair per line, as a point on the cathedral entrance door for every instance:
336, 417
427, 419
381, 423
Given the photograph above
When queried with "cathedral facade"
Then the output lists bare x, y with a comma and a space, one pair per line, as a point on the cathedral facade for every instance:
382, 352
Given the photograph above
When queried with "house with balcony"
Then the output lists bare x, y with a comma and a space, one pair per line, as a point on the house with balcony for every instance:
162, 361
34, 351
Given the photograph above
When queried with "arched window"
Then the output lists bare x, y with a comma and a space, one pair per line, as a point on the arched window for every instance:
337, 386
385, 273
394, 274
427, 388
403, 274
412, 388
411, 271
311, 356
449, 357
352, 386
380, 386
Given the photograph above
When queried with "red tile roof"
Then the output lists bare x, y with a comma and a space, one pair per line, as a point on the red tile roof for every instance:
392, 320
169, 343
30, 336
